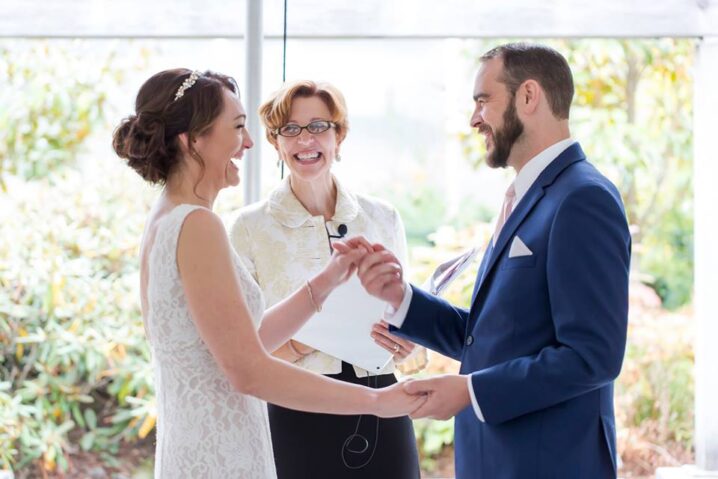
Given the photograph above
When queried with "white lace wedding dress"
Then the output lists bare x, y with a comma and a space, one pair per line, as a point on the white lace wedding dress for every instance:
205, 428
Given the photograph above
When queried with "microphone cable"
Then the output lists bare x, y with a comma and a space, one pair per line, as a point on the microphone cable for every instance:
357, 435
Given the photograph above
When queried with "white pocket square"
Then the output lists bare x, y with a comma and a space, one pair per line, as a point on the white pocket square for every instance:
518, 248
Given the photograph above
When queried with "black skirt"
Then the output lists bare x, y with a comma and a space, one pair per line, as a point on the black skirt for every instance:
318, 446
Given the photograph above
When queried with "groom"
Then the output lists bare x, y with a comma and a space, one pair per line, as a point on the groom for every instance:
545, 335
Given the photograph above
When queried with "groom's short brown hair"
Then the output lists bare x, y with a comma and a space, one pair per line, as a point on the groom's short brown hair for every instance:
524, 61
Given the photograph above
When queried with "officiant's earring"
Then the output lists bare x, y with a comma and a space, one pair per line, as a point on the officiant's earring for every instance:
338, 157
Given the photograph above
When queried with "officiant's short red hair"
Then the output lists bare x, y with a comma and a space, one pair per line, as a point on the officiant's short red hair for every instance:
276, 110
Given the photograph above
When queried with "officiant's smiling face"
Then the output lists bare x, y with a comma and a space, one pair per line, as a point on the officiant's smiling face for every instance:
309, 155
495, 114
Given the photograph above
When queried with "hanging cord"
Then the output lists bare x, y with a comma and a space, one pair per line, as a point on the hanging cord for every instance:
284, 66
363, 441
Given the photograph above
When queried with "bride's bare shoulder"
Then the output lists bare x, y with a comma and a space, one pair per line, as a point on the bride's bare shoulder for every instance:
202, 229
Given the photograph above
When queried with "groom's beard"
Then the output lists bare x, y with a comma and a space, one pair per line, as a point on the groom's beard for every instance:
506, 137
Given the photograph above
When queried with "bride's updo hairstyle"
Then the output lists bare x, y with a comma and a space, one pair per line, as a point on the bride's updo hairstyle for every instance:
171, 102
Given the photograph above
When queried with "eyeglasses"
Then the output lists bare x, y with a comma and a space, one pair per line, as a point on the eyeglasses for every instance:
315, 127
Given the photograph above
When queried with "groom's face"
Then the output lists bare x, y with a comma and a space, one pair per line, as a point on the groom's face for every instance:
495, 114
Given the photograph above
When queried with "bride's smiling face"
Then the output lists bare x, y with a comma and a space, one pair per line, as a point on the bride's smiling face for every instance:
223, 145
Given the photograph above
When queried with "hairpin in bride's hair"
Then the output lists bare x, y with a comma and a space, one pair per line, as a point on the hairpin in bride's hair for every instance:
187, 84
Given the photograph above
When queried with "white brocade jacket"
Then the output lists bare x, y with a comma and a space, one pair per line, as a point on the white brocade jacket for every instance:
282, 245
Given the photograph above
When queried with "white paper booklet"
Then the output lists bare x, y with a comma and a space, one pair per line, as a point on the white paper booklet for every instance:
343, 326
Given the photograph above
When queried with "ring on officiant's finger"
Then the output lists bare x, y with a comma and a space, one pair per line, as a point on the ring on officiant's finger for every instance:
397, 347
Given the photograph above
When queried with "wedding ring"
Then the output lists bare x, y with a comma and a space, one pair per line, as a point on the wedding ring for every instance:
396, 347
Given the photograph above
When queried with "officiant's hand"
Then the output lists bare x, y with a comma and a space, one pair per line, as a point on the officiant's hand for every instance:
394, 401
446, 395
400, 348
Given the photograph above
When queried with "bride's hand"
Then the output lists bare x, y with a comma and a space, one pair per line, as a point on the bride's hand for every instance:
393, 401
345, 259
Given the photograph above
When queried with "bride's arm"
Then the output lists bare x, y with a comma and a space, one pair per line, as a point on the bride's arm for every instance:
223, 321
285, 318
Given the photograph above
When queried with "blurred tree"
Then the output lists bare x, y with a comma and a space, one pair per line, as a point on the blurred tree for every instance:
54, 95
74, 364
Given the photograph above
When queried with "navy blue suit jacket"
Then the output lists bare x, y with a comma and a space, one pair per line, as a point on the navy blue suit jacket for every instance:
545, 336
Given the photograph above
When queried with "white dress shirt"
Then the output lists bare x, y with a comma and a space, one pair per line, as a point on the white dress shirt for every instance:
523, 181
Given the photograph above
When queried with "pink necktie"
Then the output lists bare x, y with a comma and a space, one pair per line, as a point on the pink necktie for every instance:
506, 209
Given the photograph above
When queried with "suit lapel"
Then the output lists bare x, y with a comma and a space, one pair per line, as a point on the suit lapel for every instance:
482, 269
517, 216
569, 156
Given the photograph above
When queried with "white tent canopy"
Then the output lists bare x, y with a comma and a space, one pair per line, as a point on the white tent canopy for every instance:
255, 20
361, 19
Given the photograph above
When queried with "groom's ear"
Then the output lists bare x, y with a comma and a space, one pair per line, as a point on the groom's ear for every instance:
529, 97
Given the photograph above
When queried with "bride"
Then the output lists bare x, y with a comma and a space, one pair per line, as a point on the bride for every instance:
204, 315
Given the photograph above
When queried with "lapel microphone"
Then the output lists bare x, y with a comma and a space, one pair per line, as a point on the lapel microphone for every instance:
341, 229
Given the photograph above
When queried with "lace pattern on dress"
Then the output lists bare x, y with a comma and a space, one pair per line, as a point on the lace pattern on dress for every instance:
205, 428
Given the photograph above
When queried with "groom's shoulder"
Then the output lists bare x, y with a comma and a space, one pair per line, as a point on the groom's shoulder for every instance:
582, 176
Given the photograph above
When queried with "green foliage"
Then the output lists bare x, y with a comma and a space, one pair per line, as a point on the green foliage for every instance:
423, 209
74, 368
49, 104
667, 253
655, 393
72, 344
432, 436
420, 205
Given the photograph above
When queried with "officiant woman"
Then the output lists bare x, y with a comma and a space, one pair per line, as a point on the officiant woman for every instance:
286, 239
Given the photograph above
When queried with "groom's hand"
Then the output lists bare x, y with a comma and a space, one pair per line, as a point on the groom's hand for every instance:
447, 395
381, 274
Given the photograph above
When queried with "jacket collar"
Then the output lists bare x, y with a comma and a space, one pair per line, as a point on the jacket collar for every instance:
568, 157
287, 210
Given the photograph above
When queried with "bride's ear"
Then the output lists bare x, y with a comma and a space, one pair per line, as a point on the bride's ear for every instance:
183, 141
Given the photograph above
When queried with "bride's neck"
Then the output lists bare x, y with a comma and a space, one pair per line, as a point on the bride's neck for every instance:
182, 187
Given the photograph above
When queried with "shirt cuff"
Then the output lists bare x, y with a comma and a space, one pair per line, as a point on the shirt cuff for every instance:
396, 317
474, 402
